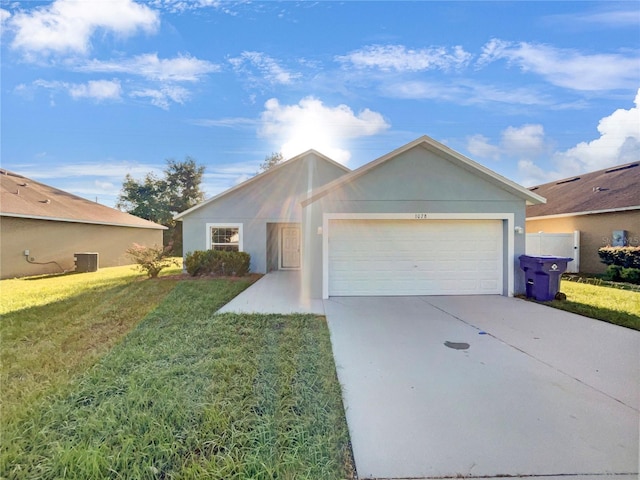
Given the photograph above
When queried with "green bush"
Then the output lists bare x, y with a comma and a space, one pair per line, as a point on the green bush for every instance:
616, 273
218, 262
627, 257
152, 260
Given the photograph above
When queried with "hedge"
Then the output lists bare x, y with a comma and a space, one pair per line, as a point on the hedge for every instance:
624, 263
218, 262
627, 257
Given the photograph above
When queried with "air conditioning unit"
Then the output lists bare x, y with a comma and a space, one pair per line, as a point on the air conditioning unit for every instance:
86, 262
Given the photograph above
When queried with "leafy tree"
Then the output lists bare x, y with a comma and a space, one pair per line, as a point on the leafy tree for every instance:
271, 161
159, 199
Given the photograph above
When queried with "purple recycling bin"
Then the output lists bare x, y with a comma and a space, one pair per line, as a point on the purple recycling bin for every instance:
542, 275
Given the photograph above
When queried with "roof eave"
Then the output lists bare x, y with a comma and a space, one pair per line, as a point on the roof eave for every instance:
431, 144
179, 216
90, 222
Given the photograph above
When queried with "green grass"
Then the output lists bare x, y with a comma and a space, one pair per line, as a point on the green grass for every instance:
55, 327
613, 305
186, 395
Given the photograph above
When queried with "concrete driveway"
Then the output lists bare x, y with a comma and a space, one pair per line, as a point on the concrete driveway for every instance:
538, 392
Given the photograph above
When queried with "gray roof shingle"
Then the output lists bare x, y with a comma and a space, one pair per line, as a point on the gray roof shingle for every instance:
613, 188
26, 198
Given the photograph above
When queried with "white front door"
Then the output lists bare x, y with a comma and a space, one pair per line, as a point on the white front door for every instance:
290, 247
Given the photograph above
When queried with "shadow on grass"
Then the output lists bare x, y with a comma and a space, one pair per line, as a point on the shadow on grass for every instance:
608, 315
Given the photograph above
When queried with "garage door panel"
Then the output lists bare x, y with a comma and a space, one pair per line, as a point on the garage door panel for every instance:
404, 257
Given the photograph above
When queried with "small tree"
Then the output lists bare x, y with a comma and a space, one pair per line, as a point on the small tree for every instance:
152, 260
271, 161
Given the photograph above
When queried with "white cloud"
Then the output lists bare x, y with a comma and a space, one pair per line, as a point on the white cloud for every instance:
269, 69
402, 59
564, 67
618, 143
599, 19
4, 16
230, 122
183, 68
464, 93
525, 141
67, 26
98, 90
479, 146
311, 124
162, 97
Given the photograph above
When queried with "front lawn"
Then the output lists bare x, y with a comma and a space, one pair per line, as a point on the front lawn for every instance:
609, 304
186, 395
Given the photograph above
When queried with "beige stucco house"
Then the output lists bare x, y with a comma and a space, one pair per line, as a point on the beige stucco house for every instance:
604, 206
43, 228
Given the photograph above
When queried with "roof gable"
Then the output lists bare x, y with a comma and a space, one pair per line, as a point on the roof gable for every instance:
611, 189
262, 177
442, 151
26, 198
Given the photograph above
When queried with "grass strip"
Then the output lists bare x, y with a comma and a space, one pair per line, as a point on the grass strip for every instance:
189, 394
613, 305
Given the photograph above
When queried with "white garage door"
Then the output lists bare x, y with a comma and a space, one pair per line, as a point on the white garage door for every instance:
415, 257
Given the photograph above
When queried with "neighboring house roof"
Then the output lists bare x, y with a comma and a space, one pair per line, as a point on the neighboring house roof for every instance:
258, 177
610, 190
22, 197
443, 151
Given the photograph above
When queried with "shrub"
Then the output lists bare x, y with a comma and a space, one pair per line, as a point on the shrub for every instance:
627, 257
218, 262
152, 260
616, 273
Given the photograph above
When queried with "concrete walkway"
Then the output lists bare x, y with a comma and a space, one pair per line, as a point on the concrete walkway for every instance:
276, 292
539, 392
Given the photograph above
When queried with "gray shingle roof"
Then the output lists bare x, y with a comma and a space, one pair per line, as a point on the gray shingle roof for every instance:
26, 198
614, 188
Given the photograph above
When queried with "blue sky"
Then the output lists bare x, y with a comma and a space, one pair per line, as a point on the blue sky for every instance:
95, 89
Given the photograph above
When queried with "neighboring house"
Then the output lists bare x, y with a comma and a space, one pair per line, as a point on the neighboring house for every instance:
604, 206
421, 220
53, 225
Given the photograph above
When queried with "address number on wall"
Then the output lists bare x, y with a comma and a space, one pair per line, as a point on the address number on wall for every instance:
421, 216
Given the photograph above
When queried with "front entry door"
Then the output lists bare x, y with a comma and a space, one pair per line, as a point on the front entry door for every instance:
290, 247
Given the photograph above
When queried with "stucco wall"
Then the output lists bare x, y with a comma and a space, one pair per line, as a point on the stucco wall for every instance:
595, 232
49, 241
417, 181
273, 198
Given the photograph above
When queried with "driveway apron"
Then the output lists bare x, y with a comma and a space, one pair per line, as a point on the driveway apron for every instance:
484, 387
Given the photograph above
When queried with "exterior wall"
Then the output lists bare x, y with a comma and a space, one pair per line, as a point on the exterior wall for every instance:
416, 181
274, 198
595, 232
52, 241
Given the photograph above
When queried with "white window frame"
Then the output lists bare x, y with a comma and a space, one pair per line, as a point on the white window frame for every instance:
209, 226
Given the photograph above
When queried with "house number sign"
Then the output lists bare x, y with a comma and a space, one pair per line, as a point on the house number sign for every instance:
421, 216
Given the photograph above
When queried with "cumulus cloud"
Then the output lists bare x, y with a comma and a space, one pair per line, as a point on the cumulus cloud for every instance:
403, 59
98, 90
67, 26
269, 69
564, 67
480, 146
183, 68
311, 124
524, 141
618, 143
